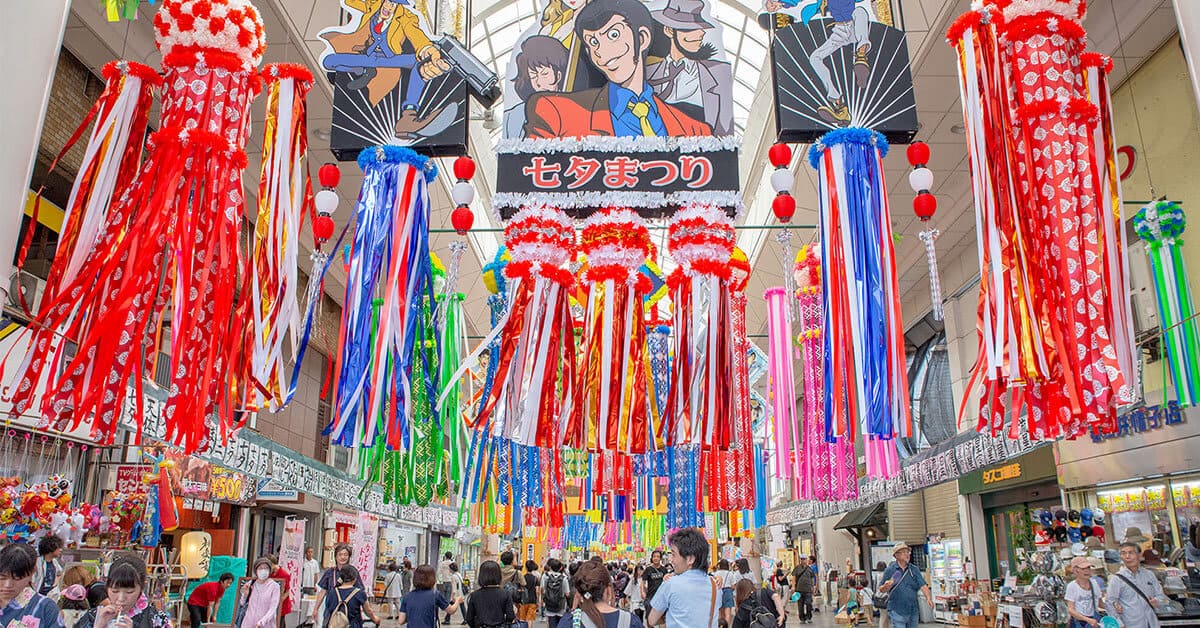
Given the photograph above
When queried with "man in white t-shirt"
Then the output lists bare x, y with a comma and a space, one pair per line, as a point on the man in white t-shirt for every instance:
310, 571
689, 598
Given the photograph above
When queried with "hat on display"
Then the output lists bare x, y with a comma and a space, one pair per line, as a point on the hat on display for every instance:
1085, 531
1085, 517
1151, 557
1111, 556
1060, 534
1099, 533
1045, 518
1077, 550
1098, 516
1060, 514
899, 546
1066, 554
1073, 518
1092, 543
1133, 534
1096, 563
1042, 537
1074, 534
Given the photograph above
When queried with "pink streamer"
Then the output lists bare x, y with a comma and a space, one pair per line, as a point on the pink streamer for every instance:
782, 380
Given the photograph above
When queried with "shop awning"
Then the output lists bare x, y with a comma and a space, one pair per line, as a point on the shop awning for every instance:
863, 518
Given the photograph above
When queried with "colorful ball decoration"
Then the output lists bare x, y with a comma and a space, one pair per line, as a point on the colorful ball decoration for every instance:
329, 175
616, 243
701, 239
539, 238
924, 206
920, 179
783, 206
463, 193
232, 27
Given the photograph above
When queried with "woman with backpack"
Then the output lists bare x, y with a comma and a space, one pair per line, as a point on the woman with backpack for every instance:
752, 612
556, 590
593, 585
419, 608
633, 591
350, 602
489, 606
329, 581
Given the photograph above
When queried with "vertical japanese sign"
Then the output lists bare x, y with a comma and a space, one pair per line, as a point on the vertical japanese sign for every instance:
291, 554
366, 544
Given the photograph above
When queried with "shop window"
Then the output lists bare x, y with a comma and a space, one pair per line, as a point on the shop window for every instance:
1141, 507
1187, 513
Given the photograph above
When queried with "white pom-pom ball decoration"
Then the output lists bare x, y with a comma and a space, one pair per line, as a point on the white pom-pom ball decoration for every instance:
462, 193
920, 179
782, 179
326, 201
231, 26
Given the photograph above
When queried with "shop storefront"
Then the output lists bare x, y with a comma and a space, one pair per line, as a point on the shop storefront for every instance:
399, 540
1007, 493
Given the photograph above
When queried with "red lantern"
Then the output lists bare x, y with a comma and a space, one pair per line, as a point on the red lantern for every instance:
784, 206
924, 205
780, 155
462, 219
329, 175
464, 168
323, 228
918, 153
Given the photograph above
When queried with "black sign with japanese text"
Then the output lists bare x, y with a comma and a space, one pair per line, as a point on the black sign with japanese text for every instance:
654, 182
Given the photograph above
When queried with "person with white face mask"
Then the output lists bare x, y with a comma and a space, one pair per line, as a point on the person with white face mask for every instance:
261, 597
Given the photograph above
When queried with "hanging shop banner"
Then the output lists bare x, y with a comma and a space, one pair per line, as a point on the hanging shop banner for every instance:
189, 475
366, 544
291, 554
129, 478
258, 457
393, 82
618, 97
957, 456
271, 491
227, 485
839, 63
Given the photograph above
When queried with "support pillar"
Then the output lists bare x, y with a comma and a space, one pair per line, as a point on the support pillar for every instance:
32, 33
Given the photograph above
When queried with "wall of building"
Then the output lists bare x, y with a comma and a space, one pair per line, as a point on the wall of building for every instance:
834, 546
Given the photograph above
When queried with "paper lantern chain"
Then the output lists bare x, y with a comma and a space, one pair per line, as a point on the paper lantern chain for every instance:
924, 206
462, 218
784, 205
326, 201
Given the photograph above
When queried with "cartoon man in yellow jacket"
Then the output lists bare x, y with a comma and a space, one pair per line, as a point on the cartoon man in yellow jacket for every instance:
374, 54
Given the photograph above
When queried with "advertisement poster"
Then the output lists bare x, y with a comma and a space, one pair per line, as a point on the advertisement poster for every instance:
291, 554
366, 541
129, 478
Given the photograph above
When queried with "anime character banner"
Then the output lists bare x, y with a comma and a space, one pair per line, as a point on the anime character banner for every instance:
619, 101
839, 63
393, 82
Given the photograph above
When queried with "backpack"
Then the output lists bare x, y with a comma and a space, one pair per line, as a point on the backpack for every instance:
763, 617
340, 618
512, 588
553, 597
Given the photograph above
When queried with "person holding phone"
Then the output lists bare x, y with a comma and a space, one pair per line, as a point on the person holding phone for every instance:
903, 581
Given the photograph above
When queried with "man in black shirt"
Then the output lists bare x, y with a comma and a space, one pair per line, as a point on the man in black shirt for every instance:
652, 576
803, 581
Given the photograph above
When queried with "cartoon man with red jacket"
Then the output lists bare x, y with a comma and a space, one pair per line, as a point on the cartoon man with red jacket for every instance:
615, 35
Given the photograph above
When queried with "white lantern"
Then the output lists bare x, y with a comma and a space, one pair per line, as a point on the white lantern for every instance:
195, 552
326, 201
781, 180
462, 193
920, 179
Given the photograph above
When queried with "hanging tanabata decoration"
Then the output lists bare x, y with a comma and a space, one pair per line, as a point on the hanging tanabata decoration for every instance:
865, 368
283, 191
170, 246
730, 472
828, 469
1160, 225
1054, 309
785, 423
924, 206
387, 348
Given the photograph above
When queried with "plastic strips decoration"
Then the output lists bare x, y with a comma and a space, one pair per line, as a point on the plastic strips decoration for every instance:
452, 332
783, 384
864, 357
700, 238
388, 346
827, 463
614, 415
534, 382
1161, 226
729, 473
1048, 336
282, 195
171, 246
109, 163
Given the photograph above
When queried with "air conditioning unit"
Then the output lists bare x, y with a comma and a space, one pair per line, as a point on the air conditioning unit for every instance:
27, 285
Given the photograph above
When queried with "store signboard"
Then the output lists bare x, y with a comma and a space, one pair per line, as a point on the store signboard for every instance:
1035, 466
227, 485
291, 554
1150, 441
366, 545
1144, 419
270, 490
129, 478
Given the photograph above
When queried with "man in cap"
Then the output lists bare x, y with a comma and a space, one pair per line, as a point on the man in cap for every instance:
1133, 592
903, 582
689, 77
1084, 597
